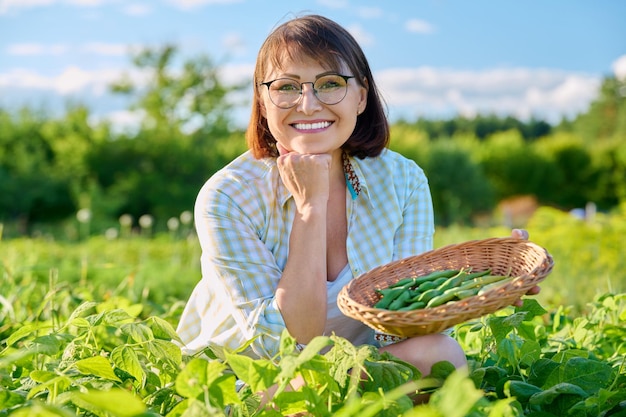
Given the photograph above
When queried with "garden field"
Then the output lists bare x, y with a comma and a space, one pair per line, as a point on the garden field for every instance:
87, 328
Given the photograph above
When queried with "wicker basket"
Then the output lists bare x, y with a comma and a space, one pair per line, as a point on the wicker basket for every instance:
525, 260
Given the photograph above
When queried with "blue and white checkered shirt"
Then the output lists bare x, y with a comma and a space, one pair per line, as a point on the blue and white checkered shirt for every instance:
244, 216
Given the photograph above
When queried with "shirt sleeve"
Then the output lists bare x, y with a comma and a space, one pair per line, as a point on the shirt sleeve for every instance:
415, 235
239, 275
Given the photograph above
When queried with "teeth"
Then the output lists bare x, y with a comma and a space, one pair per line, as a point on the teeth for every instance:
311, 126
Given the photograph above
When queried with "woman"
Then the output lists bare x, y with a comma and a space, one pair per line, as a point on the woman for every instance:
316, 201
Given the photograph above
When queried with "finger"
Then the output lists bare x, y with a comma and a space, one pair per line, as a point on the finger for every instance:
534, 290
520, 234
281, 149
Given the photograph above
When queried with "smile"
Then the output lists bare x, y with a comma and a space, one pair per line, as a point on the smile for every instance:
311, 126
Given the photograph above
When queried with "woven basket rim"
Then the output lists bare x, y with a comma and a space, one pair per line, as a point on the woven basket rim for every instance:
429, 320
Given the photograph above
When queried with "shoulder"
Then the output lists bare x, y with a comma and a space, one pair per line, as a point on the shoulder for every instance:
393, 165
242, 179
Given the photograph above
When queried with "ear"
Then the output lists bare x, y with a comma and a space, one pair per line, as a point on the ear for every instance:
363, 97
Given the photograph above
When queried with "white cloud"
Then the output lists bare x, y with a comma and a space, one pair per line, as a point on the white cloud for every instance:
409, 92
370, 12
619, 67
137, 9
7, 6
520, 92
192, 4
361, 35
95, 48
36, 49
234, 43
103, 48
72, 80
419, 26
334, 4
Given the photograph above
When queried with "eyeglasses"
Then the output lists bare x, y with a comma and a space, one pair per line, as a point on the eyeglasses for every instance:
329, 89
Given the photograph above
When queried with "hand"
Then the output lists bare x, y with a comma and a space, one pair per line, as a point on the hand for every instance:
523, 234
307, 177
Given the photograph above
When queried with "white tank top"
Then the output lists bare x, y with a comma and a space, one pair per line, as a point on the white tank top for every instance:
353, 330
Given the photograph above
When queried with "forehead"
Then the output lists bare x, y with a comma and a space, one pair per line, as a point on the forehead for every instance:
302, 65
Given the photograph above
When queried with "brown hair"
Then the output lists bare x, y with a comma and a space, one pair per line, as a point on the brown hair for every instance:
331, 45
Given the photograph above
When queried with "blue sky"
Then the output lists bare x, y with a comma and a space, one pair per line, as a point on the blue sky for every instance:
433, 58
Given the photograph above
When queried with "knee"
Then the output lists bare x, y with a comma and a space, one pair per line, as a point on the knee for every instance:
424, 351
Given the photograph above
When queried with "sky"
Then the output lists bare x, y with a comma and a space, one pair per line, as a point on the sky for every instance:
430, 58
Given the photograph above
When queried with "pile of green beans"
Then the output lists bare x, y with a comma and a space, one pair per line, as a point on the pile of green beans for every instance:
437, 288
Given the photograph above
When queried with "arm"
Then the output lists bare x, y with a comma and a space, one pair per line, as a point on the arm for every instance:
301, 293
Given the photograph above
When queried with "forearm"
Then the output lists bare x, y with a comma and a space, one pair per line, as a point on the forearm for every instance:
301, 293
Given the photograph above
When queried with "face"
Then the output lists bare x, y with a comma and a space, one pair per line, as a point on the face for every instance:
312, 127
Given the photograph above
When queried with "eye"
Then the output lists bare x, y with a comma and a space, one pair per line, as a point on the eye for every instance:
330, 83
286, 86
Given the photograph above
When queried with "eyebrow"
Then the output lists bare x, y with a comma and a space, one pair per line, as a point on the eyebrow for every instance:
297, 77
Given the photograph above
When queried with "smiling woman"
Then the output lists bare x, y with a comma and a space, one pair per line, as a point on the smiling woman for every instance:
316, 201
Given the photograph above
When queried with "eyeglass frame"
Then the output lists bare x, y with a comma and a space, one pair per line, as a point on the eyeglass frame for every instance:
345, 78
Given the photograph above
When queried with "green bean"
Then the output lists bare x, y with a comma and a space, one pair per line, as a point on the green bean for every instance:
474, 275
503, 280
413, 306
427, 295
441, 299
424, 278
452, 282
388, 295
481, 281
400, 301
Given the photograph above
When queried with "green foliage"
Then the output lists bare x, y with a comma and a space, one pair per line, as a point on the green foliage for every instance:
79, 354
514, 168
459, 187
606, 117
86, 327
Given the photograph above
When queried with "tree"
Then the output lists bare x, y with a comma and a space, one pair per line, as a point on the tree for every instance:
186, 120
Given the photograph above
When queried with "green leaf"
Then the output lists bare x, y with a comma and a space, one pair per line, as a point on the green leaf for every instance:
260, 374
499, 328
41, 376
457, 396
25, 330
162, 329
520, 390
191, 381
590, 375
550, 395
125, 358
532, 308
386, 375
116, 317
541, 371
509, 350
59, 384
10, 399
139, 332
201, 377
47, 345
117, 402
166, 351
529, 352
98, 366
442, 370
39, 409
80, 310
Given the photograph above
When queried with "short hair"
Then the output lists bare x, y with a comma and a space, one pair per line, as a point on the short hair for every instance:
325, 41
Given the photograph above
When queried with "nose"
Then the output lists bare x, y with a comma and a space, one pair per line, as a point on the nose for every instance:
308, 103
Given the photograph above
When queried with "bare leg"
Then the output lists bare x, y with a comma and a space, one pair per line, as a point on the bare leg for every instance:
424, 351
